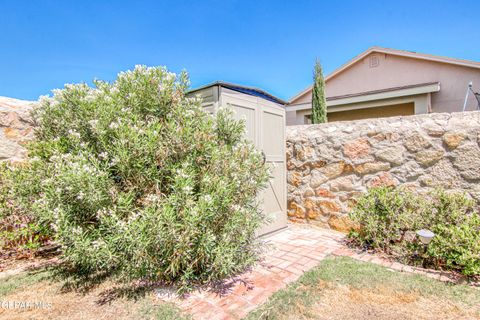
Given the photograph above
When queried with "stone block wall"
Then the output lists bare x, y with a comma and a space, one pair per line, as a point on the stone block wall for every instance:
331, 165
16, 127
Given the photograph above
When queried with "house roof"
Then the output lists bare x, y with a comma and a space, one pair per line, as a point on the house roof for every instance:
402, 53
244, 89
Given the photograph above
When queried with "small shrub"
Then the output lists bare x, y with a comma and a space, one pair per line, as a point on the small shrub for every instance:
456, 224
386, 216
389, 217
134, 178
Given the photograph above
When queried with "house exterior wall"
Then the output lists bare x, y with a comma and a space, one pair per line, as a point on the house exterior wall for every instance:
404, 109
305, 98
394, 71
370, 109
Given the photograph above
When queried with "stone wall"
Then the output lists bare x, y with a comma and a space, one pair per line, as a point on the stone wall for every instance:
16, 127
330, 165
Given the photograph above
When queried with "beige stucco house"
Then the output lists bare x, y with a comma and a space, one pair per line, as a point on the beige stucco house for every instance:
383, 82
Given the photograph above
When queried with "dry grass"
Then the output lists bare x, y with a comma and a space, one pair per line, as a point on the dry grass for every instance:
341, 288
103, 301
343, 302
67, 304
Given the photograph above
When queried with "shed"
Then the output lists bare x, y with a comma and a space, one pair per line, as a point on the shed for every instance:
264, 116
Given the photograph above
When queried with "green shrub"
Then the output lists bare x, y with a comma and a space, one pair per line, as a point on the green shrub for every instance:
456, 223
135, 179
20, 230
389, 217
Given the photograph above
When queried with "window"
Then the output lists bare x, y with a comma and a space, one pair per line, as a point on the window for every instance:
308, 119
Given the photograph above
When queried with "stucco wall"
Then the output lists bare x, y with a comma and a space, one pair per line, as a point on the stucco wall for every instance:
394, 71
404, 109
330, 165
15, 128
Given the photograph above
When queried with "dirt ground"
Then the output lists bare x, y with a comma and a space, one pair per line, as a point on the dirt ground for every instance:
14, 267
61, 304
344, 302
336, 302
332, 300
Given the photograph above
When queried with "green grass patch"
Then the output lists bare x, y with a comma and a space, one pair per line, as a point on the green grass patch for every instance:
15, 282
163, 311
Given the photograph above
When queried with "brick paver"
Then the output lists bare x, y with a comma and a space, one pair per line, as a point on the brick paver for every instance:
290, 253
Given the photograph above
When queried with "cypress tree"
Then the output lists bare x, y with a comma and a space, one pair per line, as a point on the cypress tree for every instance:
319, 102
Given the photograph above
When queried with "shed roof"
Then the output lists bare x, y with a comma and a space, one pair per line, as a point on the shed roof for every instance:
243, 89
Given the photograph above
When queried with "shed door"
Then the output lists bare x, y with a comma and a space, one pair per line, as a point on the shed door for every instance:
265, 127
272, 143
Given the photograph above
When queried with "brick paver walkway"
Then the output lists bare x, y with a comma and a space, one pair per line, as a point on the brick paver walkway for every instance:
289, 254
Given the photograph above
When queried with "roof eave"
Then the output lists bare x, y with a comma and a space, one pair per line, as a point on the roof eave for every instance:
378, 95
408, 54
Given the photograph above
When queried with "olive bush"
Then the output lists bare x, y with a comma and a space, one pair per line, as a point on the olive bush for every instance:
134, 178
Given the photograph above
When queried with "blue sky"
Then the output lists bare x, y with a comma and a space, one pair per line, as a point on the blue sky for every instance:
267, 44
